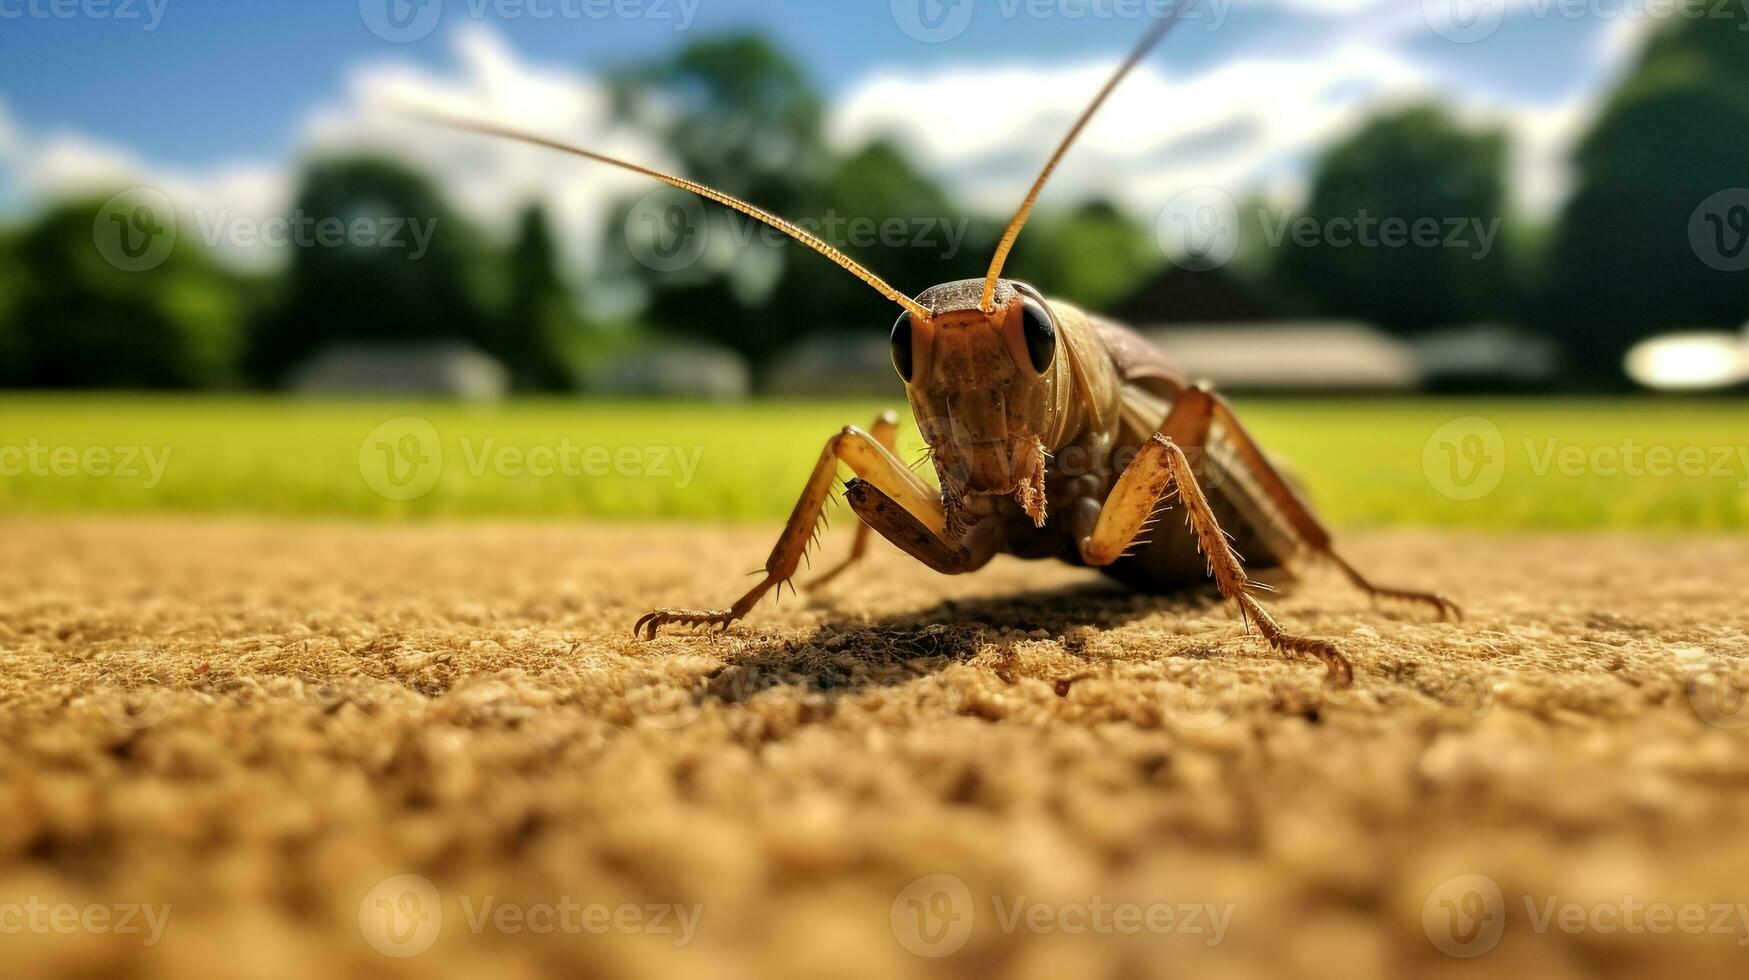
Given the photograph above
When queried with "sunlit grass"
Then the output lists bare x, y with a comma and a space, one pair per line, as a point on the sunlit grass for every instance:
1561, 464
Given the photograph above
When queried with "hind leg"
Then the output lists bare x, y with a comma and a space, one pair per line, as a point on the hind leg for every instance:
1294, 508
1159, 468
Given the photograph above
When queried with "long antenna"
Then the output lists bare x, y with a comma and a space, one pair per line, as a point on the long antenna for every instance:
1154, 36
807, 238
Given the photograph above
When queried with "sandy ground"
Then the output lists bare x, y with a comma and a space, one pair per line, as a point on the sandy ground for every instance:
237, 749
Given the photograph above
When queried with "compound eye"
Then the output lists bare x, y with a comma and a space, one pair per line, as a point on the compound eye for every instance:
1040, 332
902, 348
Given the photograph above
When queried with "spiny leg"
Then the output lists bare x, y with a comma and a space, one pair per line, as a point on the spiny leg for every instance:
885, 431
869, 460
1159, 467
1294, 508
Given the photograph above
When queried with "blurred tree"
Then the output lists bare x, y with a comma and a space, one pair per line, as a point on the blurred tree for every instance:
882, 211
12, 366
1093, 256
739, 115
79, 320
1637, 250
1413, 165
424, 285
541, 322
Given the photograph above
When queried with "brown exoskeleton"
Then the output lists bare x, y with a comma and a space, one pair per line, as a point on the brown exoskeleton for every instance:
1054, 434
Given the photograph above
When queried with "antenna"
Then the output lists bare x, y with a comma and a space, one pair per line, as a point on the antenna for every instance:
807, 238
1154, 36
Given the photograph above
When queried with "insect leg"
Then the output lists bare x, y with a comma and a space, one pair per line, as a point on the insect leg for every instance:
1159, 467
878, 511
886, 432
1298, 513
872, 462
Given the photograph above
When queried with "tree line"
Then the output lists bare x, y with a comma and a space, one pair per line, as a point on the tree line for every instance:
1648, 241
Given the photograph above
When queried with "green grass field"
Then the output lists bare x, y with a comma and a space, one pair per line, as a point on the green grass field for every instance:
1480, 463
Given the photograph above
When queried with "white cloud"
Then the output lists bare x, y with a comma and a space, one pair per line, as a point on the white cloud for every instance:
487, 180
1245, 126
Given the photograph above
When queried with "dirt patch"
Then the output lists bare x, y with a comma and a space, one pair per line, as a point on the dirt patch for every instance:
247, 729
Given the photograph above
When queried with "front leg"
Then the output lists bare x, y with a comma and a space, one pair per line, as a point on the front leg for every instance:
1160, 466
869, 460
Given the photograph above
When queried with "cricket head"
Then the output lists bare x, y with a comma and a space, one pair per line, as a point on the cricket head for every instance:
983, 387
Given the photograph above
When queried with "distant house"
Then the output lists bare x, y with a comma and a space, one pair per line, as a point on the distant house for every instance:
1487, 357
426, 370
1309, 356
1223, 332
673, 369
836, 365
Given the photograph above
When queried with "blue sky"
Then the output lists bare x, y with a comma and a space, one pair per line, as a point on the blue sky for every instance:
225, 78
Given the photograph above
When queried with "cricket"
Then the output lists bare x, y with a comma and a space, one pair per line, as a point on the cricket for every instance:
1054, 433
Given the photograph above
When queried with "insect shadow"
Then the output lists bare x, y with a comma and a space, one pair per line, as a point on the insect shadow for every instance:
841, 659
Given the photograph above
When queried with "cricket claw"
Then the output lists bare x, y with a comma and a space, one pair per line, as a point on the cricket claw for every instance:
1447, 609
648, 626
